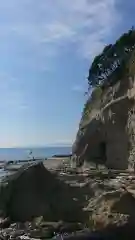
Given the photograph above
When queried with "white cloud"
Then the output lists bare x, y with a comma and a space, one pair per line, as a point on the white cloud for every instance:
57, 30
32, 34
88, 23
45, 25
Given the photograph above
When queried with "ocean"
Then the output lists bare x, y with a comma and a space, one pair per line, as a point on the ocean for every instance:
39, 152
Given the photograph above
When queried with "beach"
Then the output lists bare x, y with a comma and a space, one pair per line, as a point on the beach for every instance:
38, 199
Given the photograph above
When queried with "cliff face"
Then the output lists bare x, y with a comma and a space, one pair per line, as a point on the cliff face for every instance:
107, 129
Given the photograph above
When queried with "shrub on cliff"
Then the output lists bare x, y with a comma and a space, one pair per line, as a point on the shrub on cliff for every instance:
96, 94
91, 102
107, 68
111, 60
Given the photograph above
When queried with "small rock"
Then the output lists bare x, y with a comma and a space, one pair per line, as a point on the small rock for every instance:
69, 227
41, 233
37, 221
18, 233
5, 223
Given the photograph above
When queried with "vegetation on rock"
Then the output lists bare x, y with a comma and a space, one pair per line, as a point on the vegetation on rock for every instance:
107, 68
91, 102
111, 60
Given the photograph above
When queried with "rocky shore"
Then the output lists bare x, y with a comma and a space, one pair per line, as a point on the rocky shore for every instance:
36, 203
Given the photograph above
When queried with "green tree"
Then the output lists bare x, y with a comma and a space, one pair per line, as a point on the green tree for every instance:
111, 58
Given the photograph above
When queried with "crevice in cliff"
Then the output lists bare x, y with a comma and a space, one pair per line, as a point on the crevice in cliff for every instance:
103, 151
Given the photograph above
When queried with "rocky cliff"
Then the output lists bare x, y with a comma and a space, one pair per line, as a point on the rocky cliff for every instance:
107, 129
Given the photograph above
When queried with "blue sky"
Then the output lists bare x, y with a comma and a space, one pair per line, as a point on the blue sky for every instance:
46, 48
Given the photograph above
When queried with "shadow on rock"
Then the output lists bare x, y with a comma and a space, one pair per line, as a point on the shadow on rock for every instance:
37, 192
125, 206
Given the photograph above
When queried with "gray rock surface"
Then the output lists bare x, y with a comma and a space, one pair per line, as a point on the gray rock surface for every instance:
34, 192
105, 201
107, 136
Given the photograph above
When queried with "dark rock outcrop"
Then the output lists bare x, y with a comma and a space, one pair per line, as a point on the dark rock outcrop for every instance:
108, 198
107, 134
34, 191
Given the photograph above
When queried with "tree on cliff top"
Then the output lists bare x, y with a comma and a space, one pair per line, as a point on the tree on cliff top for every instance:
111, 59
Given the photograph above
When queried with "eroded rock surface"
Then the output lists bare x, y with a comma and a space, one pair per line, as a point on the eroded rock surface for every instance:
107, 134
111, 204
97, 204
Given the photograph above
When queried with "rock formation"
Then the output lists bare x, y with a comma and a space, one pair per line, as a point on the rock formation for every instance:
107, 134
37, 204
33, 192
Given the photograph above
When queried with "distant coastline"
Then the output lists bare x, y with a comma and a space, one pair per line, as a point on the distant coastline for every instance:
54, 145
12, 154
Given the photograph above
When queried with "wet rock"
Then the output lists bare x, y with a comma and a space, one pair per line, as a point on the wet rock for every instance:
38, 221
16, 233
5, 223
69, 227
41, 233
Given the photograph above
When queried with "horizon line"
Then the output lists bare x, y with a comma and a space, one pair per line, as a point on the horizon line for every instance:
39, 146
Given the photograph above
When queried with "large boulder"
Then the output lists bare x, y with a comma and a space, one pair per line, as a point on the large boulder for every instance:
33, 192
112, 210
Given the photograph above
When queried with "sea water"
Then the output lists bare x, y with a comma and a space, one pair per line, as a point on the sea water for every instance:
7, 154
